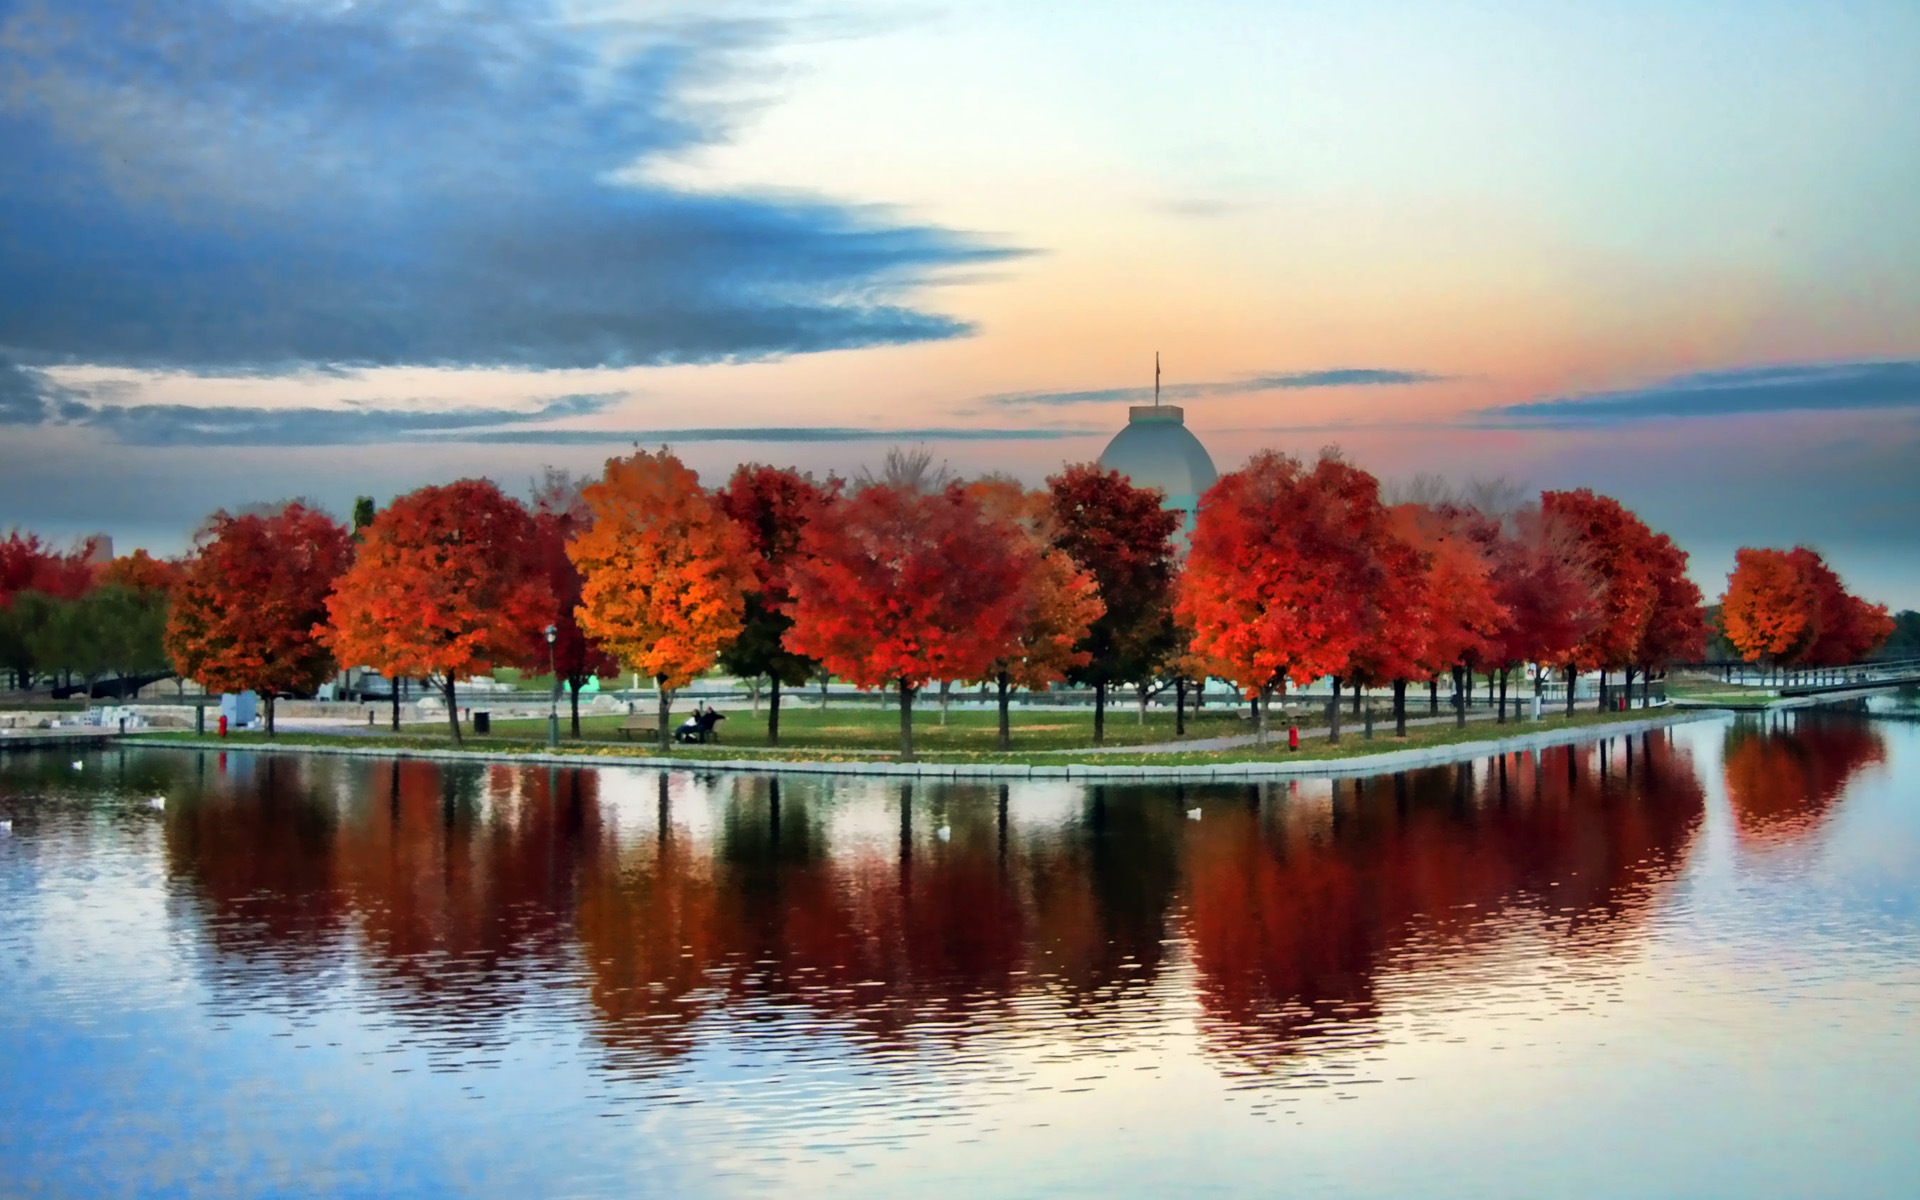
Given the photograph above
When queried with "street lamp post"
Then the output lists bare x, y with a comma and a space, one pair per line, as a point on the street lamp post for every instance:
553, 707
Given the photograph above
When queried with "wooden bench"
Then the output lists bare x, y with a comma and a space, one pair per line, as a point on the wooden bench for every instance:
640, 725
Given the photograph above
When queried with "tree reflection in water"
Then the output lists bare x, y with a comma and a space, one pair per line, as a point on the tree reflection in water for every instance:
1785, 771
682, 907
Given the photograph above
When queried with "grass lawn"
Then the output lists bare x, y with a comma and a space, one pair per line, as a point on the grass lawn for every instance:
843, 734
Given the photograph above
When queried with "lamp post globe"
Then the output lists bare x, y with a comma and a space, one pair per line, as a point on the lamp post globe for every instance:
553, 705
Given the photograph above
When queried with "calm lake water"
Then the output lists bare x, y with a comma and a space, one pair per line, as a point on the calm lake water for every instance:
1686, 964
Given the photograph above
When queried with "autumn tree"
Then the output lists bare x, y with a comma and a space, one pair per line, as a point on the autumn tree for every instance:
1465, 618
897, 586
1119, 535
1063, 599
1789, 608
560, 514
246, 608
442, 586
772, 507
37, 582
1769, 611
667, 572
1544, 576
1396, 646
1849, 627
1618, 542
1677, 627
1280, 554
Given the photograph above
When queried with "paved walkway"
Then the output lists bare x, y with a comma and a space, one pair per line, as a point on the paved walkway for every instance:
1277, 732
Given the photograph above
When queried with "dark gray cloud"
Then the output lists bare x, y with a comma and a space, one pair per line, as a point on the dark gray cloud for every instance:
1338, 377
231, 185
192, 425
1811, 387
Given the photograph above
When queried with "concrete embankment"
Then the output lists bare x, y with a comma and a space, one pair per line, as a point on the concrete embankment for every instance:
1106, 770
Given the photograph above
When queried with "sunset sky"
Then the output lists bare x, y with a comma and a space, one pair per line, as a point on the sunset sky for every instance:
252, 249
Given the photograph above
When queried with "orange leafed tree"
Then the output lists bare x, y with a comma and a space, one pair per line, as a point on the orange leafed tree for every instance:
899, 585
1281, 556
1465, 618
443, 586
139, 572
667, 572
245, 607
1769, 610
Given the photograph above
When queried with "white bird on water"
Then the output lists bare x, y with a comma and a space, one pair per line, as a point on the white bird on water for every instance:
76, 764
1193, 814
6, 824
157, 802
944, 832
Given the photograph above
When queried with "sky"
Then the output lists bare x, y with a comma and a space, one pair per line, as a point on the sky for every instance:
258, 249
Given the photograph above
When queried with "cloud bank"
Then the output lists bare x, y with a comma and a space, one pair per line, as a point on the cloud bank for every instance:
1338, 377
256, 185
1810, 387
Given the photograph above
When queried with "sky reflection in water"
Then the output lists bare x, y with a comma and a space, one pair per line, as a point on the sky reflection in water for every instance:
1681, 964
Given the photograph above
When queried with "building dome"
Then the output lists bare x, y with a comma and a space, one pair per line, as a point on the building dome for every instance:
1157, 450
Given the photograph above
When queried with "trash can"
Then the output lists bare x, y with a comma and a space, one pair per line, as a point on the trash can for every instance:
483, 722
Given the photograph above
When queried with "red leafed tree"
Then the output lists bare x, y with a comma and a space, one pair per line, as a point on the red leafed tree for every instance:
1770, 610
1281, 557
1465, 619
45, 576
443, 585
1849, 627
1397, 645
560, 513
772, 507
1618, 542
1546, 579
1063, 599
248, 600
1119, 535
898, 586
667, 573
1677, 628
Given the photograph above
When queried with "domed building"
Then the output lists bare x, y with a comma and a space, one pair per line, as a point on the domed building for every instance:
1157, 450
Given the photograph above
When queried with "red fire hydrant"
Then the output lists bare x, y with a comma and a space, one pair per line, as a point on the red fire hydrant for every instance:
1293, 737
223, 724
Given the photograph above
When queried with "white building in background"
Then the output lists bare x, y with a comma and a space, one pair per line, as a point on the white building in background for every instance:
1157, 450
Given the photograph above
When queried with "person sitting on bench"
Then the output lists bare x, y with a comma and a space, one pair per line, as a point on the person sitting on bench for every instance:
699, 726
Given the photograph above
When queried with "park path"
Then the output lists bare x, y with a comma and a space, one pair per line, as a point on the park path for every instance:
1277, 732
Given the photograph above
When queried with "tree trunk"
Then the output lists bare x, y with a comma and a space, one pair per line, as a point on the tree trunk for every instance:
1400, 708
1333, 714
453, 711
1433, 696
1600, 704
1260, 715
906, 721
946, 697
1006, 725
573, 700
1100, 713
824, 680
393, 689
664, 733
1460, 680
1140, 690
1503, 694
1570, 680
1628, 681
1180, 706
773, 712
270, 698
1358, 690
